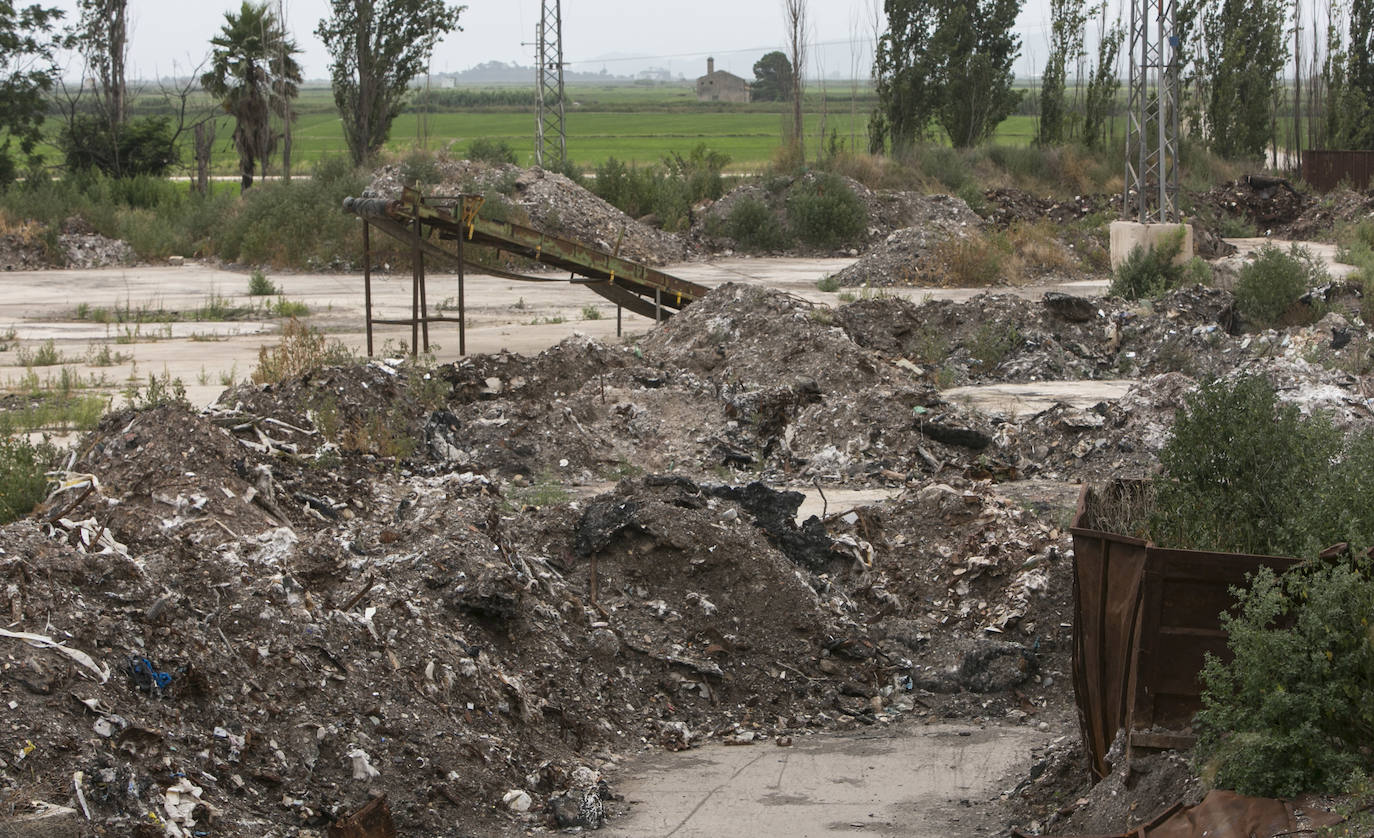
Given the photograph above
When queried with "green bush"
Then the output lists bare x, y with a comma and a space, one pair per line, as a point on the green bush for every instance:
1271, 285
143, 146
420, 168
668, 190
1291, 712
824, 212
23, 478
1149, 272
754, 226
487, 150
1244, 472
292, 224
947, 165
260, 286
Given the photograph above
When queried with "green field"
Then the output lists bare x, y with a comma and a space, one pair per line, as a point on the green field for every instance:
639, 124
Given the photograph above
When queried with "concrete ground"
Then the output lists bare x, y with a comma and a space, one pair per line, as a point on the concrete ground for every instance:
909, 780
83, 312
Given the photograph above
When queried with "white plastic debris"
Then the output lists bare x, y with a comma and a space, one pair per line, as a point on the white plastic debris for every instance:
102, 673
362, 765
517, 800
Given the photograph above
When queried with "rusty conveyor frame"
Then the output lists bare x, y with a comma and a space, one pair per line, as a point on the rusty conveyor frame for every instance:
628, 284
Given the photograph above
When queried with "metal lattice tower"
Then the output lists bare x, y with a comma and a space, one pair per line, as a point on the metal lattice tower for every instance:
1151, 195
550, 139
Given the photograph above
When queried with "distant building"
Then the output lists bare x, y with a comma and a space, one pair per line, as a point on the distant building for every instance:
657, 74
720, 86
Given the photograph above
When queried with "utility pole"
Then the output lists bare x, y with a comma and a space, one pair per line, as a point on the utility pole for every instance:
1151, 193
550, 138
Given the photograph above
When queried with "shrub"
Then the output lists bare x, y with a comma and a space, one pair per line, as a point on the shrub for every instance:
143, 146
260, 286
668, 190
991, 344
754, 226
824, 212
420, 168
281, 223
1149, 272
946, 165
488, 150
23, 478
1290, 713
1270, 286
302, 349
1243, 472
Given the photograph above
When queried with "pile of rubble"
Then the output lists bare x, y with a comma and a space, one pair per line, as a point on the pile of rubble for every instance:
552, 203
464, 594
1007, 206
912, 255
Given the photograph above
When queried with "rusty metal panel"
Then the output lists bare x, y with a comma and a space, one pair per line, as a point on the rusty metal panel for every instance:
1324, 170
1144, 618
1107, 575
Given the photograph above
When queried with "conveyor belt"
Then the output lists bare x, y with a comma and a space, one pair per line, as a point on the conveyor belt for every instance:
637, 287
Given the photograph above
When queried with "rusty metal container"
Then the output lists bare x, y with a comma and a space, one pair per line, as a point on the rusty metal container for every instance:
1144, 618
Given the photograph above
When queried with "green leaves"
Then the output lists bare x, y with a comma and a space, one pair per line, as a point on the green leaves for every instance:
255, 75
1290, 712
378, 47
947, 62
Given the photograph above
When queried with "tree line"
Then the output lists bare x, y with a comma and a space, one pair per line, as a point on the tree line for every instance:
1253, 74
377, 47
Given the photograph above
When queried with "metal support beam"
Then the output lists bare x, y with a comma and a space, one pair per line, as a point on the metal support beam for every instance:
367, 281
1151, 191
462, 306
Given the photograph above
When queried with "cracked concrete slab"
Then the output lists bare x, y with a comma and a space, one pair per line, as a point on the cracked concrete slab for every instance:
909, 780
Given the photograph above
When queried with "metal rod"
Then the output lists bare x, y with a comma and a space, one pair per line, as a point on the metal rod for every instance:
658, 306
462, 308
424, 303
367, 281
618, 309
415, 293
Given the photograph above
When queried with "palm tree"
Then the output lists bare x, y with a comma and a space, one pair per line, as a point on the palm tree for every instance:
255, 75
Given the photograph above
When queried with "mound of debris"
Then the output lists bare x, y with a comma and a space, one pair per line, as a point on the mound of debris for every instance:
553, 204
1321, 217
885, 209
918, 254
1267, 202
215, 627
1006, 206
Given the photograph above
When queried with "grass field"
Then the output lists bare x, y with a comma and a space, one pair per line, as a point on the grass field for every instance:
639, 124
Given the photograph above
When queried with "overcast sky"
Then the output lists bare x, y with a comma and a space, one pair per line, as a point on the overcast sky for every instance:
623, 36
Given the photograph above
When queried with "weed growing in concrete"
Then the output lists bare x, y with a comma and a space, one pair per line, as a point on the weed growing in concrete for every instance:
290, 308
46, 355
302, 348
106, 357
160, 391
260, 286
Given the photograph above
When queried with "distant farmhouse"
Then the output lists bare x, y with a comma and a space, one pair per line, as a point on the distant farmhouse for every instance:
720, 86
